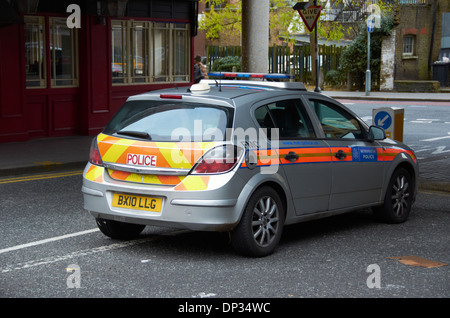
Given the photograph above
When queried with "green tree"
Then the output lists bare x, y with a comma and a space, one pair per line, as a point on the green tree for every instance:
354, 57
225, 17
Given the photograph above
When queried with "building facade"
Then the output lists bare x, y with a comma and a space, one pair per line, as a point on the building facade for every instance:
415, 43
66, 66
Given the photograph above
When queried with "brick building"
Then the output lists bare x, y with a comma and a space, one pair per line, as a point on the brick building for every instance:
415, 43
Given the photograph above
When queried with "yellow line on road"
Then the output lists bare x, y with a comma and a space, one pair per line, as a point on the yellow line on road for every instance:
41, 176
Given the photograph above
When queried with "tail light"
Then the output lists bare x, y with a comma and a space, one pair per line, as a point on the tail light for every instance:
94, 154
218, 160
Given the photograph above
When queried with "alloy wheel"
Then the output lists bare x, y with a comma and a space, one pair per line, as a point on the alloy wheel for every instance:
400, 196
265, 221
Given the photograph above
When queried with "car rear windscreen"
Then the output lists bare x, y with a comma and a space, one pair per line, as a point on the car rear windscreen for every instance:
171, 121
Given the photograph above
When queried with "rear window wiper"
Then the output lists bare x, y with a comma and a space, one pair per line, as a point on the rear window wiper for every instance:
133, 133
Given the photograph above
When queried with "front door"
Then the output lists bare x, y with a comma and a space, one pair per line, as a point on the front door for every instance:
357, 173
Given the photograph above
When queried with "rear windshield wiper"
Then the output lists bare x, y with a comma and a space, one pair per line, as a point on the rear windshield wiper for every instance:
132, 133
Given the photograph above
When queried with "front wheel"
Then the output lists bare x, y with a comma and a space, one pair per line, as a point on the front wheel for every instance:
261, 225
398, 199
119, 230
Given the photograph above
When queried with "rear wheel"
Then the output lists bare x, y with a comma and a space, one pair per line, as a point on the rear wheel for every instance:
398, 199
261, 225
119, 230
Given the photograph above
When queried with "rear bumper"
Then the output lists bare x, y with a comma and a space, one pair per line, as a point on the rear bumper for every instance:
214, 208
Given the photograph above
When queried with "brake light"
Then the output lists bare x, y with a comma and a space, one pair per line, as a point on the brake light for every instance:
218, 160
94, 154
170, 96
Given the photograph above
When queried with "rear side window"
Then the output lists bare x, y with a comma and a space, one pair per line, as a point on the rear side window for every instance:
169, 121
288, 116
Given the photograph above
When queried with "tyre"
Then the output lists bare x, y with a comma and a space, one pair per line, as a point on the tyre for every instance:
261, 225
398, 198
119, 230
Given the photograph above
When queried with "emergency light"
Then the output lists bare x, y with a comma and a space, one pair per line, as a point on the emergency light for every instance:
250, 75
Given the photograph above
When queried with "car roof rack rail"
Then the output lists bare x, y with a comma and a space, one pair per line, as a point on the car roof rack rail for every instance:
265, 80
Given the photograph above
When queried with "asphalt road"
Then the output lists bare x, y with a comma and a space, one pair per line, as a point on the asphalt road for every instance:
50, 247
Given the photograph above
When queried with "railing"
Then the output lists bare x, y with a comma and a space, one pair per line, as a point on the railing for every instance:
415, 2
283, 59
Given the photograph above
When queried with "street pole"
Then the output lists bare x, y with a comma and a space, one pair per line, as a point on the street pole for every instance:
368, 75
316, 51
255, 35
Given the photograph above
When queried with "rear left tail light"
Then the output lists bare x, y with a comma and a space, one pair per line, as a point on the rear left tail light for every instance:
94, 154
218, 160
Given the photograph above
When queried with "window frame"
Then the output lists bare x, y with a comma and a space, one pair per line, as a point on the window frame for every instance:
149, 44
348, 115
39, 57
411, 46
302, 112
74, 54
47, 66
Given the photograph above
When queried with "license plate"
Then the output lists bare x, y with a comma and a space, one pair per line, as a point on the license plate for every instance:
136, 202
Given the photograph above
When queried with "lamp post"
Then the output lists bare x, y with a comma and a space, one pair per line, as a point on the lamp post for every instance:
368, 75
373, 21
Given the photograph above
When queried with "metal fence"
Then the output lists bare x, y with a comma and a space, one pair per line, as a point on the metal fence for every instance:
284, 59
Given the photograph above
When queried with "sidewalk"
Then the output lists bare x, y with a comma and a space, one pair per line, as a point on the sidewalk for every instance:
44, 155
72, 153
390, 96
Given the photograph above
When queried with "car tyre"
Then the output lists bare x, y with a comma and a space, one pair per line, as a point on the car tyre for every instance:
398, 198
119, 230
261, 225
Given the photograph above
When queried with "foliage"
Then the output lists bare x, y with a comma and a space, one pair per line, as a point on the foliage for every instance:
225, 64
227, 19
335, 78
354, 57
283, 20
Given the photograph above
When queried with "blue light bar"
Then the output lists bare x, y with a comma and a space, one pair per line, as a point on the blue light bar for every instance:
249, 75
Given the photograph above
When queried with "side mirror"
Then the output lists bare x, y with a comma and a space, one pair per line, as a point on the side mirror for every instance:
376, 133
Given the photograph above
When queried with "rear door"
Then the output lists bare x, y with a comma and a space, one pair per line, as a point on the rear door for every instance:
306, 160
357, 173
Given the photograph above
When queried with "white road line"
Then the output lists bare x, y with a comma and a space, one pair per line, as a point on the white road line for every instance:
52, 239
89, 251
54, 259
437, 138
425, 149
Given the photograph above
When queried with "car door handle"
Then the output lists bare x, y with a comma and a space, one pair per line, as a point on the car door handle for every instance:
291, 156
340, 155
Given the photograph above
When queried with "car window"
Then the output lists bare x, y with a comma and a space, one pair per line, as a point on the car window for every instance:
169, 121
289, 116
336, 122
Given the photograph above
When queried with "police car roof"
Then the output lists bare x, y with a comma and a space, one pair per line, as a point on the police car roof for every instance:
224, 90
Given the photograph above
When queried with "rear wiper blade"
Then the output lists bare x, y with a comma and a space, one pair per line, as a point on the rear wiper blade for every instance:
132, 133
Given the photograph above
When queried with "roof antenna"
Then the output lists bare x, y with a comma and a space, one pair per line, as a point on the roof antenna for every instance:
220, 82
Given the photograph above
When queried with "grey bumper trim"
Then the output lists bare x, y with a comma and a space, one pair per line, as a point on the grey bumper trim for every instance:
212, 203
90, 191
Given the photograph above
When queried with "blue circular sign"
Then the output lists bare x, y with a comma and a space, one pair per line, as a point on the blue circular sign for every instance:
383, 119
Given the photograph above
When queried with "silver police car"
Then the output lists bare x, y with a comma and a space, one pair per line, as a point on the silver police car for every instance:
242, 156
